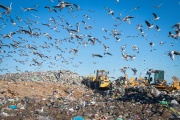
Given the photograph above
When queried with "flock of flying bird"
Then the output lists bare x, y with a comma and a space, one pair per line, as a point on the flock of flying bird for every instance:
32, 31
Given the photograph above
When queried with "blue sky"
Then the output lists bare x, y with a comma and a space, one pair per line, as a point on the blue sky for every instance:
147, 57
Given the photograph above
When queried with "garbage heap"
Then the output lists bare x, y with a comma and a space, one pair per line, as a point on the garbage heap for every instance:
63, 103
47, 76
136, 103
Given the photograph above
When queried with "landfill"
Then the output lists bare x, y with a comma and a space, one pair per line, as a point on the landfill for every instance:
62, 96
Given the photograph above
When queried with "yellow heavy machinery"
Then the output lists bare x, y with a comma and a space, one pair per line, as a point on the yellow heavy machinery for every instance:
100, 81
138, 82
176, 84
158, 81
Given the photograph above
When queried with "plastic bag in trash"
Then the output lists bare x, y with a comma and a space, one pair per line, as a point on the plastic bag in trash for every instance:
13, 107
78, 118
174, 102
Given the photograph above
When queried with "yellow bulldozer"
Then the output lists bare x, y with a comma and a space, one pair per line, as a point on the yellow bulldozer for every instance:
157, 82
176, 84
100, 81
138, 82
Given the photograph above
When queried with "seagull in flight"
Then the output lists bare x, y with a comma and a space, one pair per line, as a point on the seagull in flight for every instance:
108, 53
117, 1
172, 53
127, 19
149, 25
97, 55
12, 21
155, 16
105, 47
139, 27
134, 70
151, 44
28, 9
74, 50
62, 5
109, 11
161, 43
157, 28
158, 6
135, 47
8, 9
176, 25
136, 8
123, 70
175, 36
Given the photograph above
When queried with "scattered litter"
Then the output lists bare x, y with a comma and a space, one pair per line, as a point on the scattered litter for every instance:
66, 100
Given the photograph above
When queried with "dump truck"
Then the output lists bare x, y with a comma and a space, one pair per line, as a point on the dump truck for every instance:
99, 81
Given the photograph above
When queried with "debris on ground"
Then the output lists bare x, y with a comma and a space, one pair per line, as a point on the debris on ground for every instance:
71, 100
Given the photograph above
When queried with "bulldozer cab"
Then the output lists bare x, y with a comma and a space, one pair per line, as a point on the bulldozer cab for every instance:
159, 82
158, 76
101, 73
102, 79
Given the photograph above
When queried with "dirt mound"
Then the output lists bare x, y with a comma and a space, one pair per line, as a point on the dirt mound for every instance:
39, 89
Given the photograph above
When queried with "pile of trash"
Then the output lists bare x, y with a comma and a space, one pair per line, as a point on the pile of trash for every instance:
69, 99
135, 103
46, 76
148, 94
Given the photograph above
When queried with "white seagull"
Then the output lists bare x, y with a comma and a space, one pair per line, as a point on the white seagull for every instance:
135, 47
62, 5
127, 19
172, 53
157, 28
158, 6
109, 11
155, 16
177, 25
134, 70
149, 25
8, 9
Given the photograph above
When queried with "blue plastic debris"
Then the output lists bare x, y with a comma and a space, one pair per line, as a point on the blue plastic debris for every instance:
78, 118
13, 107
